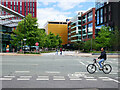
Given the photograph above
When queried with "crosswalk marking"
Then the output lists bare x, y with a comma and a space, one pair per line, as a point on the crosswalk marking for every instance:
5, 78
88, 77
92, 79
52, 72
43, 78
9, 76
103, 77
58, 78
23, 79
75, 79
22, 71
25, 76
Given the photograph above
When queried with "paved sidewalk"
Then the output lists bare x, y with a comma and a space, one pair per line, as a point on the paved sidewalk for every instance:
66, 53
90, 55
16, 54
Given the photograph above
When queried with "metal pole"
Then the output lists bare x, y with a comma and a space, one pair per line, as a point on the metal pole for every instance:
91, 44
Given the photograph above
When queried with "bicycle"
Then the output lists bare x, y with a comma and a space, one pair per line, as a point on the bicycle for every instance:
106, 68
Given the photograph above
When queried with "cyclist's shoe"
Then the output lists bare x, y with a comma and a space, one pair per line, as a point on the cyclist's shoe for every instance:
100, 69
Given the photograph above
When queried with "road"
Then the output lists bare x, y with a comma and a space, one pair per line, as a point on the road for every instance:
55, 71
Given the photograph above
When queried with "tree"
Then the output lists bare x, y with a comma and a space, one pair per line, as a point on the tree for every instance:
53, 41
104, 37
78, 45
28, 29
115, 37
90, 45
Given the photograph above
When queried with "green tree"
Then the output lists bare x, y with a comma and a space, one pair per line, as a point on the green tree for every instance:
26, 29
52, 40
104, 37
90, 44
78, 45
115, 37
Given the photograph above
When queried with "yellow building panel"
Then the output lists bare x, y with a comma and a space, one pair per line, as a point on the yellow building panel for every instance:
60, 29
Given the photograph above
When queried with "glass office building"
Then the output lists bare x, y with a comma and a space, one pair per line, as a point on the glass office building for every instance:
82, 27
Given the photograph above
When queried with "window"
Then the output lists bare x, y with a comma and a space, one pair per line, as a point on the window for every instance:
33, 9
109, 17
33, 15
105, 10
33, 4
14, 2
101, 16
105, 18
109, 8
97, 17
20, 3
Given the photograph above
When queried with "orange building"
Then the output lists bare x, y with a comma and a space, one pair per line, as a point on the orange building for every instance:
59, 28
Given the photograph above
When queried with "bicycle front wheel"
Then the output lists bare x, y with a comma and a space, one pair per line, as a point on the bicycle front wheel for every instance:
91, 68
107, 68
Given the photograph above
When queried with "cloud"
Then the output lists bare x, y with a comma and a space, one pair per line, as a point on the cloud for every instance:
64, 4
50, 14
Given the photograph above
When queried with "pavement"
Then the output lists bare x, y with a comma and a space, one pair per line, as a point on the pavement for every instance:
55, 71
66, 53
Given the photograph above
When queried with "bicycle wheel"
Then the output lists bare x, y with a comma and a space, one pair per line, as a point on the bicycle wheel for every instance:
91, 68
107, 68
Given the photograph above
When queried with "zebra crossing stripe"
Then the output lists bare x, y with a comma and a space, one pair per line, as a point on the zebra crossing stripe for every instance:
5, 78
9, 76
22, 71
75, 79
58, 78
89, 77
92, 79
23, 79
44, 78
25, 76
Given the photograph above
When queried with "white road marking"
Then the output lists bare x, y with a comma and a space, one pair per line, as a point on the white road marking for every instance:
116, 81
5, 78
25, 76
82, 63
92, 79
58, 78
52, 72
80, 72
103, 77
23, 79
22, 71
108, 79
113, 73
75, 79
89, 77
43, 78
9, 76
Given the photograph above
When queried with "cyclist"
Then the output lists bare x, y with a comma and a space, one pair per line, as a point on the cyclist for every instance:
102, 57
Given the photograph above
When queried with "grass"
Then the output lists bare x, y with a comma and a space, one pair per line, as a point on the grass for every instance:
36, 52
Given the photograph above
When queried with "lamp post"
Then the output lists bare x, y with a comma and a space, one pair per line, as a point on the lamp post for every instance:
24, 44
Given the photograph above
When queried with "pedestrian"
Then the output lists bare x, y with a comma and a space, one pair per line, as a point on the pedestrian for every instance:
56, 51
60, 51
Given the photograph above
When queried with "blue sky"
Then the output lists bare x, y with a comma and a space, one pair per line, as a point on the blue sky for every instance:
60, 10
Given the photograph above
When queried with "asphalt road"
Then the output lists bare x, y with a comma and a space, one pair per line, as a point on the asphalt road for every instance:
55, 71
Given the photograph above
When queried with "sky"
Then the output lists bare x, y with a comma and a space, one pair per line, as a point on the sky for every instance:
60, 10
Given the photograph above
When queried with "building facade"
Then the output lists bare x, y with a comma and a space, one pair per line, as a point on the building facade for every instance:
21, 6
107, 14
59, 28
82, 27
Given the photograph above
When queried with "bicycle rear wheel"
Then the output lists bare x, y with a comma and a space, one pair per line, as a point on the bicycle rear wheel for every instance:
107, 68
91, 68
